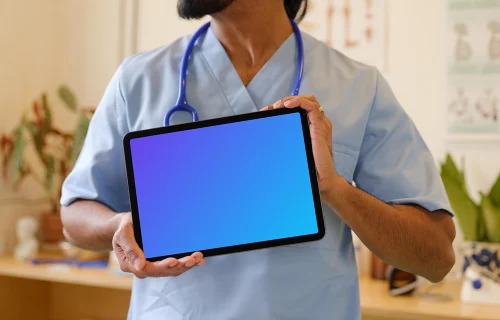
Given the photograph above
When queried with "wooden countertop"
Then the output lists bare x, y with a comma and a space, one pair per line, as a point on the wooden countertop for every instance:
102, 278
375, 300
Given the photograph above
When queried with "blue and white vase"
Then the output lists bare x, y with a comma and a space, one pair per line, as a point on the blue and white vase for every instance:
481, 271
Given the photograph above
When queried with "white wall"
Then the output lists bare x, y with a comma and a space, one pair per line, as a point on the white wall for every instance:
159, 24
92, 46
45, 44
417, 73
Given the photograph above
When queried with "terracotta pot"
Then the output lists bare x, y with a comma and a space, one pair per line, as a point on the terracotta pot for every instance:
51, 228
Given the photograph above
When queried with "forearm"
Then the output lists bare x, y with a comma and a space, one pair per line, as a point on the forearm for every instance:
406, 237
90, 225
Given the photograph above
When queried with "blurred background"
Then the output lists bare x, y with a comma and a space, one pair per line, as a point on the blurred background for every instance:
441, 57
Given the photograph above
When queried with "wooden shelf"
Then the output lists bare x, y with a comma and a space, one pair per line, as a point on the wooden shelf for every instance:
102, 278
376, 303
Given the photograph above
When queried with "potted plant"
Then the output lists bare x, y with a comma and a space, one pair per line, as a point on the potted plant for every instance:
480, 225
56, 152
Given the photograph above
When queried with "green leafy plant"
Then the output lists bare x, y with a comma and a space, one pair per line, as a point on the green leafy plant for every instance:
478, 221
56, 150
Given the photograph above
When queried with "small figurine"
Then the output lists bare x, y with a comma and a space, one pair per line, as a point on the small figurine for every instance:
26, 230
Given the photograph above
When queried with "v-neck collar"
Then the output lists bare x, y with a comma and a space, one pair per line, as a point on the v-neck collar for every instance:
243, 99
282, 62
220, 65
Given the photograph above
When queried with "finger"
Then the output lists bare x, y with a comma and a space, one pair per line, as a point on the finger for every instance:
314, 114
171, 266
182, 268
198, 256
188, 262
301, 102
315, 117
278, 104
153, 270
167, 263
311, 98
162, 268
201, 263
171, 262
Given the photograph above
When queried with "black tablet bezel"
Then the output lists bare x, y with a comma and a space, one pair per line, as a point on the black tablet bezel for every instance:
221, 121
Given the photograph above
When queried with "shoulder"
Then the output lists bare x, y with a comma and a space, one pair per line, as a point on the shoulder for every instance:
336, 63
155, 61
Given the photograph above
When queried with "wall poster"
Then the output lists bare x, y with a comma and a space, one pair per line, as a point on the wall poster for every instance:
473, 55
356, 28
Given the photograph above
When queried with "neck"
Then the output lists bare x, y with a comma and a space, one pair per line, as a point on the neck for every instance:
251, 32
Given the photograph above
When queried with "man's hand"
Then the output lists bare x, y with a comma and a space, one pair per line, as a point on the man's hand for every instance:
132, 258
406, 236
321, 137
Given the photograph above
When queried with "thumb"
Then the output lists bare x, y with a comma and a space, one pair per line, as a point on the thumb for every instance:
134, 254
135, 257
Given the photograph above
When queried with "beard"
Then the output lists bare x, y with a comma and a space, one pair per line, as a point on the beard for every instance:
197, 9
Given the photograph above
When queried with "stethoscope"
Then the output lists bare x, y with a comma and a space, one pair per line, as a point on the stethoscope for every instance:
183, 105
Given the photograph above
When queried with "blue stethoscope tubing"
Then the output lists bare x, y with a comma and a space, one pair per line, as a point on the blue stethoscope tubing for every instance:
182, 104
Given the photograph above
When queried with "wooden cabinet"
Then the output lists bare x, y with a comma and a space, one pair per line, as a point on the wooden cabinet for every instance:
46, 293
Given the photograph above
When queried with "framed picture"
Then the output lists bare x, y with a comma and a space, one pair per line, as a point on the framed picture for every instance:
473, 55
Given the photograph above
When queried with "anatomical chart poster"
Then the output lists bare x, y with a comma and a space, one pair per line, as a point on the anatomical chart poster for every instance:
357, 28
473, 50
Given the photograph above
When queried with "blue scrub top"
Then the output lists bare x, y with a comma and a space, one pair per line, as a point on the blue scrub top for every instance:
375, 144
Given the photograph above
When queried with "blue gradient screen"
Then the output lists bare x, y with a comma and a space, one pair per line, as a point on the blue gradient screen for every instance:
224, 185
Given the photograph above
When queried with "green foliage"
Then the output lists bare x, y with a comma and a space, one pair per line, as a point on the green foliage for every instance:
479, 222
466, 211
47, 112
451, 170
37, 136
491, 215
56, 149
79, 138
49, 173
495, 193
68, 97
18, 153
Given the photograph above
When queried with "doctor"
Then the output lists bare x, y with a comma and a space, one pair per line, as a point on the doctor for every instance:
246, 61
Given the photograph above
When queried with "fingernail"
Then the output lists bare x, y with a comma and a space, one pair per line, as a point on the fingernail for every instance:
277, 104
287, 103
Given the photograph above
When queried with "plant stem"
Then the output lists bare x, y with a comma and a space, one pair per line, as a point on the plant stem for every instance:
35, 177
62, 134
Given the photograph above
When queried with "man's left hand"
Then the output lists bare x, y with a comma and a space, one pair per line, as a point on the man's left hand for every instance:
321, 137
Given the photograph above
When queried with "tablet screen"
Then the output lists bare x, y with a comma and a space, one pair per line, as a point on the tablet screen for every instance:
222, 186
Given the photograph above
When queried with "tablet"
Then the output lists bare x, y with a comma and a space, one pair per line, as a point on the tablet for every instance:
224, 185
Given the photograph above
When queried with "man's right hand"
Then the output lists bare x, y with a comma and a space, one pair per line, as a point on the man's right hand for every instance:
132, 258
